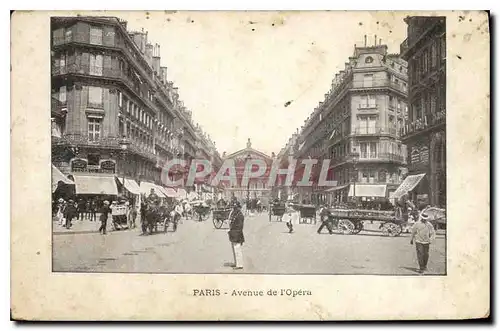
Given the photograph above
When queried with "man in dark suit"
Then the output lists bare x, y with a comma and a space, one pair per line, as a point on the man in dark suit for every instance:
236, 234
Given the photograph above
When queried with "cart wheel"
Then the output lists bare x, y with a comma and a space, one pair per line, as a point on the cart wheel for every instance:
205, 216
358, 227
345, 226
392, 229
218, 223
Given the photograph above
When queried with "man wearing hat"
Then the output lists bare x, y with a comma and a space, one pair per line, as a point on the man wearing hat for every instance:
422, 234
105, 211
235, 233
69, 213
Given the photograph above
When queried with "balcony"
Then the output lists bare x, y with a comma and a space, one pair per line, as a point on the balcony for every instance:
382, 157
104, 73
422, 124
379, 83
374, 131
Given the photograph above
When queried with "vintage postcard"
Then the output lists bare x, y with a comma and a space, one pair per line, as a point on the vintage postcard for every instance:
250, 165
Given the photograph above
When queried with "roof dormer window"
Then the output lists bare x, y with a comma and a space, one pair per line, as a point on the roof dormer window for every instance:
368, 59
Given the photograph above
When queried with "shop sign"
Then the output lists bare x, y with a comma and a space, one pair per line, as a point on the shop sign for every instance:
79, 165
108, 166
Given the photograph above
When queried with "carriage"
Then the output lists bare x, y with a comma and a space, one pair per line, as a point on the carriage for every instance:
277, 209
350, 221
201, 211
307, 213
220, 216
156, 219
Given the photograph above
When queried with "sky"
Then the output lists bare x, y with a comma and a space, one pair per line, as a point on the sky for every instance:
236, 70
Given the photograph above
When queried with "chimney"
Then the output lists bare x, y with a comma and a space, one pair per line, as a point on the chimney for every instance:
365, 40
380, 41
375, 40
149, 54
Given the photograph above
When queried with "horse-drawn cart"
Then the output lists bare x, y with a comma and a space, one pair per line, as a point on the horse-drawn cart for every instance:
307, 213
201, 211
352, 220
220, 216
277, 210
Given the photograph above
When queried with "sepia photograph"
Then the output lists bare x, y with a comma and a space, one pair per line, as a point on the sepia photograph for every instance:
144, 181
250, 165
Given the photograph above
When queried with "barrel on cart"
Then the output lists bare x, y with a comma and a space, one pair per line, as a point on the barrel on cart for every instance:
352, 220
220, 216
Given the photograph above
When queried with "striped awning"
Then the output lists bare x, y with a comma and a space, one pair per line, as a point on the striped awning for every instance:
169, 192
336, 188
131, 185
58, 176
407, 185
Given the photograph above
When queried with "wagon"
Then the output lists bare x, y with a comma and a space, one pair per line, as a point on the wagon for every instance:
220, 216
201, 212
351, 220
307, 213
277, 210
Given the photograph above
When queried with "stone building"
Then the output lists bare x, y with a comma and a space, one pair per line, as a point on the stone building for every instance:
357, 127
115, 114
425, 132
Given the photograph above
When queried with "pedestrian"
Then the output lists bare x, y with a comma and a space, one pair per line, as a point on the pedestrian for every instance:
87, 209
326, 220
422, 234
93, 210
235, 233
105, 211
69, 213
60, 211
80, 209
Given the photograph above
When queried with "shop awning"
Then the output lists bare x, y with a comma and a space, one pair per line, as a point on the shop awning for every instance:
58, 176
192, 196
131, 185
336, 188
169, 192
146, 187
407, 185
368, 190
105, 185
181, 193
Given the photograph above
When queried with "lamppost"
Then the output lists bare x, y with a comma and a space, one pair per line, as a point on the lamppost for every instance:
124, 143
355, 157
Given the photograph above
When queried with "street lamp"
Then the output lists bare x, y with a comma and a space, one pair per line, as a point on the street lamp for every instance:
124, 143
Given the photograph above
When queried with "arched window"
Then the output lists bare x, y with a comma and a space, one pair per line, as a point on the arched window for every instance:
368, 59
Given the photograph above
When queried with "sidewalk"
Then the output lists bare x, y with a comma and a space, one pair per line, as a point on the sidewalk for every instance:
81, 227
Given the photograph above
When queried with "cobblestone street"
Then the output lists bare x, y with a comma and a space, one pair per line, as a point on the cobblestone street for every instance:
197, 247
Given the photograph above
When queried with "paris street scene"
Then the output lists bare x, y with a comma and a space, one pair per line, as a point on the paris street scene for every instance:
255, 151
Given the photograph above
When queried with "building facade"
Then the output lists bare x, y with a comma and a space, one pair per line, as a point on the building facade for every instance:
114, 112
425, 131
257, 188
357, 127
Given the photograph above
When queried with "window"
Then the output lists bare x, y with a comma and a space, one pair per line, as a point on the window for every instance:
434, 58
62, 63
373, 150
94, 129
364, 177
68, 35
391, 102
372, 177
368, 59
368, 101
121, 128
93, 159
367, 80
128, 106
96, 64
58, 36
120, 99
405, 87
62, 93
128, 130
95, 97
95, 35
